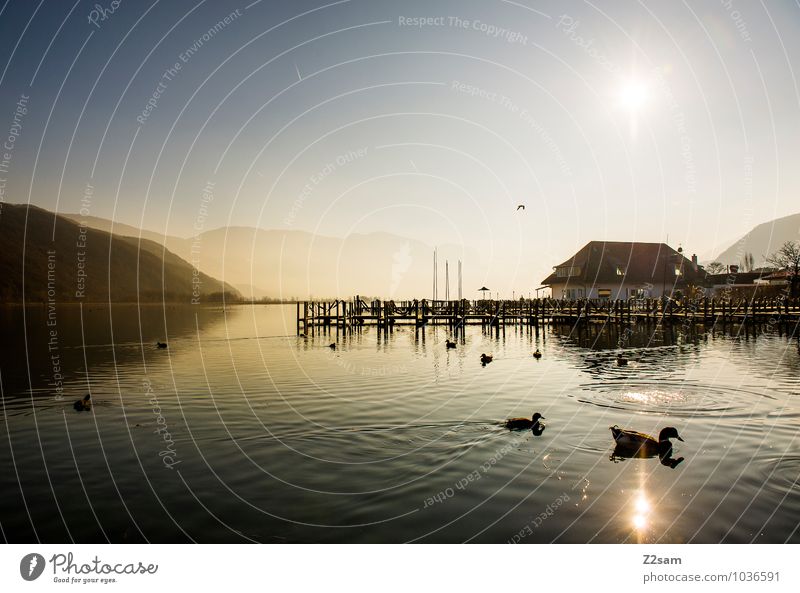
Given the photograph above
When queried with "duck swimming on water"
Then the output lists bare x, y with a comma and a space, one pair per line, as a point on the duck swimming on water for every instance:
621, 360
486, 359
643, 444
537, 355
83, 405
450, 343
161, 345
524, 423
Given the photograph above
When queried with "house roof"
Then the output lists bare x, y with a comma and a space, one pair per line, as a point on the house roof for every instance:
736, 278
777, 275
640, 262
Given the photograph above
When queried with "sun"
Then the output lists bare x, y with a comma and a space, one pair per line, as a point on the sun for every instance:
633, 95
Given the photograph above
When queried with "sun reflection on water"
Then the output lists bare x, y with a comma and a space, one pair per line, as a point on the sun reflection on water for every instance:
642, 511
656, 397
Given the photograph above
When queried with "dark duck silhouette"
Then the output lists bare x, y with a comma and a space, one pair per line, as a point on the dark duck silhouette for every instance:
83, 405
450, 343
537, 355
486, 359
332, 346
161, 345
630, 444
621, 360
526, 423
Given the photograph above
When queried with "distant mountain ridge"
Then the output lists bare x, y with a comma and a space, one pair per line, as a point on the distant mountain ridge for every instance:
288, 263
764, 240
47, 257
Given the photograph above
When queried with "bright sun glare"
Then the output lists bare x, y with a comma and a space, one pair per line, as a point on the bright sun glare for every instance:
633, 95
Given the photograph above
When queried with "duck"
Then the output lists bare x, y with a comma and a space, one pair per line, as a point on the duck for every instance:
621, 360
449, 343
83, 405
332, 346
161, 345
486, 359
643, 444
524, 423
537, 355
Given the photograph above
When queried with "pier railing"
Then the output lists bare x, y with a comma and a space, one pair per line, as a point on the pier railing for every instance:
355, 312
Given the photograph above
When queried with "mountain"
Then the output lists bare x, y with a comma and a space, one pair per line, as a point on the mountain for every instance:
61, 260
288, 263
118, 228
763, 240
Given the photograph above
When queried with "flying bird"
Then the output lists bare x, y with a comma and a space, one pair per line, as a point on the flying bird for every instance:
521, 207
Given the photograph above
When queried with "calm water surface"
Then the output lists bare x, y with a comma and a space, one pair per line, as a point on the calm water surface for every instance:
390, 437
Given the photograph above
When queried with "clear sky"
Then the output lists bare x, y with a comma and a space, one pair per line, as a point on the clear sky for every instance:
428, 119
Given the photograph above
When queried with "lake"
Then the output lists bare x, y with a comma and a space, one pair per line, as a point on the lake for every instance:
242, 431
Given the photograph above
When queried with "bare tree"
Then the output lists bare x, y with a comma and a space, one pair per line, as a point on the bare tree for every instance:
715, 267
788, 258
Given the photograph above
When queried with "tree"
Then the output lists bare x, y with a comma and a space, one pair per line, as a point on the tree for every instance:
788, 258
748, 263
715, 267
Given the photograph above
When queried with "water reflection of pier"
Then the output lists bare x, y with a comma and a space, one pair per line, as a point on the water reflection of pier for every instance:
356, 312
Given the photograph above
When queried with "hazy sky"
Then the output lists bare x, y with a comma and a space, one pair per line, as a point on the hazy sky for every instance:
608, 120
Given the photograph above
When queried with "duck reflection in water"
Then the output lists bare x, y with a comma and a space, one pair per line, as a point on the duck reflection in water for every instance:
665, 457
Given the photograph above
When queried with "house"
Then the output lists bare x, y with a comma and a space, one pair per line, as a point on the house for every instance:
734, 282
622, 270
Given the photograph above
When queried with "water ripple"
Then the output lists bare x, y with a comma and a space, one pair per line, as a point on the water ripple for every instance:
684, 399
781, 474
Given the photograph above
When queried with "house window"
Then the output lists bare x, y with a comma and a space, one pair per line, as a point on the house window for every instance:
566, 271
620, 271
604, 293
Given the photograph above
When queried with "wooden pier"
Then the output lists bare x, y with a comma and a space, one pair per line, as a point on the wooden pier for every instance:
357, 312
